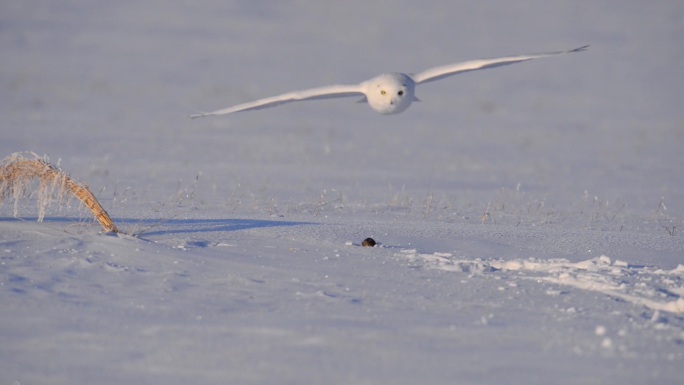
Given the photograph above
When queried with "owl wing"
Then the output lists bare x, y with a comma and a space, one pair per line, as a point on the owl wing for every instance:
441, 72
328, 92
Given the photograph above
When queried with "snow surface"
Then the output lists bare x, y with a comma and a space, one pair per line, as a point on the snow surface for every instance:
529, 217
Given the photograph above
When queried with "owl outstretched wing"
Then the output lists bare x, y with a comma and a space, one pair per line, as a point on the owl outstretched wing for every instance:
328, 92
441, 72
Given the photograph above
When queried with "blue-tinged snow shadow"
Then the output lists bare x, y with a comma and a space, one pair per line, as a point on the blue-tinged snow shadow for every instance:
151, 227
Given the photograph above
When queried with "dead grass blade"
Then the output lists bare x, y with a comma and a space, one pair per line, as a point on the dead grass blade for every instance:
17, 173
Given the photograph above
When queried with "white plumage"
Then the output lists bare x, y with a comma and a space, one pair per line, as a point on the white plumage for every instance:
389, 93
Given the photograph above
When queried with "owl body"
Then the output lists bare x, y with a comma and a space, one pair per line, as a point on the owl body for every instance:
390, 93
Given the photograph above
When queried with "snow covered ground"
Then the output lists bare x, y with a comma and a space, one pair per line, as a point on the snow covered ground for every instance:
529, 217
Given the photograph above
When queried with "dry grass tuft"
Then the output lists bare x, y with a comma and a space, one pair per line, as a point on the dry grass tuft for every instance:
17, 173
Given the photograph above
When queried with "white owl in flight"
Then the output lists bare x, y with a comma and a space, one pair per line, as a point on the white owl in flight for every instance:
389, 93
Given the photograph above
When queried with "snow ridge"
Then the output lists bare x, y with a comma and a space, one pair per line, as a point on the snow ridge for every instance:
651, 287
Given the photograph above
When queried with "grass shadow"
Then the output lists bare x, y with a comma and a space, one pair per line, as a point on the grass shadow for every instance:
154, 227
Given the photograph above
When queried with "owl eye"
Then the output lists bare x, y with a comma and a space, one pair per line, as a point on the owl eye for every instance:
382, 92
400, 93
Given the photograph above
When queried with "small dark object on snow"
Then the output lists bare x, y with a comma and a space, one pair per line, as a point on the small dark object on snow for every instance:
368, 242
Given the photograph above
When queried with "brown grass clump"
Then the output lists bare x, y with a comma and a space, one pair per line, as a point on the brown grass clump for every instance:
17, 172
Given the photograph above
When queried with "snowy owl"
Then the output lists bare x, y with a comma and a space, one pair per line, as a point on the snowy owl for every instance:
389, 93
